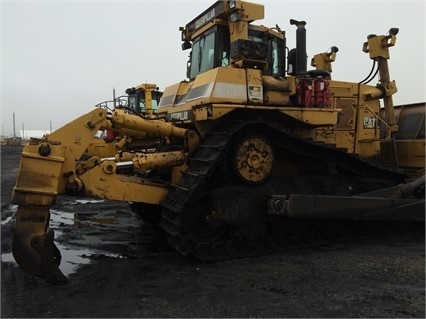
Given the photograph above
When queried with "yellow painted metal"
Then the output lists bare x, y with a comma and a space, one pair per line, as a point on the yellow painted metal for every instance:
313, 116
276, 91
409, 142
352, 123
98, 147
219, 85
250, 11
202, 113
102, 182
378, 46
253, 159
50, 165
42, 176
238, 16
33, 247
254, 86
411, 153
148, 88
76, 135
45, 162
170, 93
39, 176
155, 127
247, 12
72, 159
322, 61
378, 49
143, 162
124, 156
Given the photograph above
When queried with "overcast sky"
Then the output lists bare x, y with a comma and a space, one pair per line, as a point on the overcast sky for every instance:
60, 58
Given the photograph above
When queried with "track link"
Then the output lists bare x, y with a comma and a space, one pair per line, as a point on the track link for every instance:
201, 165
259, 238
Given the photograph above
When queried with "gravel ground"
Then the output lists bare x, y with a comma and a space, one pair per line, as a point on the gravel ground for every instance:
120, 267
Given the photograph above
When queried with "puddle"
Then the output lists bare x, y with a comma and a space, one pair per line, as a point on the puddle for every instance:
7, 220
58, 218
87, 201
8, 257
72, 257
95, 220
12, 209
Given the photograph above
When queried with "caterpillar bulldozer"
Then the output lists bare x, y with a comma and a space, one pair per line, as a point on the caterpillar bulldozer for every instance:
227, 161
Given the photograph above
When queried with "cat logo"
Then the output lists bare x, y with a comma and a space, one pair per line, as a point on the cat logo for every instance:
369, 122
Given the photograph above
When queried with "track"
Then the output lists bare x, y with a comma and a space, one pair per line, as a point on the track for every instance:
211, 216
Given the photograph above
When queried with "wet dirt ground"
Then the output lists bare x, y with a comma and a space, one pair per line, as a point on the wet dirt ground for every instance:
118, 266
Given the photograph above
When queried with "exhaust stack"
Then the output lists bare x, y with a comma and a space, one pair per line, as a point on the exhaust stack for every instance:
299, 59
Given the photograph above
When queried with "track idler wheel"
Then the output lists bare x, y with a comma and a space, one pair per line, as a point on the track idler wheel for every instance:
33, 247
253, 157
200, 220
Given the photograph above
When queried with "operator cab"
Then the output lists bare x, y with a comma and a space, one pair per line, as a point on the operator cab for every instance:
143, 99
212, 46
213, 49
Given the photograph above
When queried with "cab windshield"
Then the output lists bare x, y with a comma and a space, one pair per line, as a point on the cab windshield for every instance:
209, 51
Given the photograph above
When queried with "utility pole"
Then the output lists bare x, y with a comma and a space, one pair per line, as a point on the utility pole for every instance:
14, 133
113, 97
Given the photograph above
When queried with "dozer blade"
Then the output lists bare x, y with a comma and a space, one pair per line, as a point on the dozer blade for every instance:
33, 247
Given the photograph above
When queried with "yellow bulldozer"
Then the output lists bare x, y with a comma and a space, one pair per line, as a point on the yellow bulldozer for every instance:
225, 161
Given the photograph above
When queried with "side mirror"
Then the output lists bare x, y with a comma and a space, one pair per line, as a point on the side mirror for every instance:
186, 45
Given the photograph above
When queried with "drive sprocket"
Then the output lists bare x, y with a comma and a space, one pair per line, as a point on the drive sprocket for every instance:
252, 159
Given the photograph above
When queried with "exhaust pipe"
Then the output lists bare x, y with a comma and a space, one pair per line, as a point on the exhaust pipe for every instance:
300, 60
